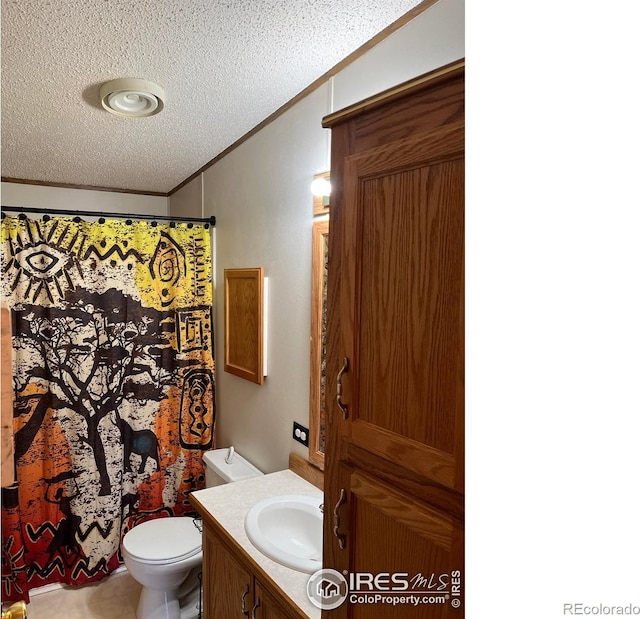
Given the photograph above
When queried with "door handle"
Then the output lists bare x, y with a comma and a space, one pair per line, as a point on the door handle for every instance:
255, 607
245, 612
336, 519
343, 407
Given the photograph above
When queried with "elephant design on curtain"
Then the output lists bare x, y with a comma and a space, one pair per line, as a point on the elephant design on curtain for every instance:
114, 394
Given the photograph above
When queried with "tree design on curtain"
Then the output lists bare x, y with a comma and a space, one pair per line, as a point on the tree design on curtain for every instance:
114, 389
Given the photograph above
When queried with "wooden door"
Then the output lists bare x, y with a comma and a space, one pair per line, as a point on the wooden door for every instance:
404, 232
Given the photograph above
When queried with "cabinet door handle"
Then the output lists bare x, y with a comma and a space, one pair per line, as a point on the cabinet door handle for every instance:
336, 518
245, 612
255, 607
343, 407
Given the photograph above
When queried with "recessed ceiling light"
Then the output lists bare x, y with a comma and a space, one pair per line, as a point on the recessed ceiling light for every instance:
132, 97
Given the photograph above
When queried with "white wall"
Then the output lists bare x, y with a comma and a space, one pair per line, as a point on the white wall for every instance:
41, 196
259, 194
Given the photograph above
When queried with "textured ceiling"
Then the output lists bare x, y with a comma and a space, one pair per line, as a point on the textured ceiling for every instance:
225, 65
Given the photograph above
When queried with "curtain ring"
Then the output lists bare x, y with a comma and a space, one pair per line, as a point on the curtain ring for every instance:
101, 220
128, 222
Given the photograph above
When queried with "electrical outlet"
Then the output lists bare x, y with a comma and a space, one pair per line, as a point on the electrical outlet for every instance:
301, 434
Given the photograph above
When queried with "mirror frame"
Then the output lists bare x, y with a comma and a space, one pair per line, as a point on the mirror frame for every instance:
319, 267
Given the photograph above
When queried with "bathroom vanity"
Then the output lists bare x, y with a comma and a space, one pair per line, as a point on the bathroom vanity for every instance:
238, 580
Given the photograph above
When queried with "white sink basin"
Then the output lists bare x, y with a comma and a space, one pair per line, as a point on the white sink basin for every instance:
288, 529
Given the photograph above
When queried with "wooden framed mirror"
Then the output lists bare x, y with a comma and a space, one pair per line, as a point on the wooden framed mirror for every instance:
318, 378
321, 203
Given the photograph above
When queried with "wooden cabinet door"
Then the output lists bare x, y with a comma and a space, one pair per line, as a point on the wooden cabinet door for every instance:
413, 548
265, 605
395, 347
228, 587
404, 239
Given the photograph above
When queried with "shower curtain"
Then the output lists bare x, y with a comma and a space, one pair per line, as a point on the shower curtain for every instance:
113, 378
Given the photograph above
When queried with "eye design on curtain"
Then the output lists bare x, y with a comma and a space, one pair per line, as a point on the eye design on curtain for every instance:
42, 261
47, 269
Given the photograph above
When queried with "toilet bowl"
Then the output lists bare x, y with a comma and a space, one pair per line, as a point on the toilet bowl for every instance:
161, 554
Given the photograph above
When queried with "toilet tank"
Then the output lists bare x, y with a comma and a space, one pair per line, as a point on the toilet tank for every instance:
223, 466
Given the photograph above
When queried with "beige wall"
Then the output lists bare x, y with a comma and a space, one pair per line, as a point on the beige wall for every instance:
40, 196
187, 201
432, 40
259, 194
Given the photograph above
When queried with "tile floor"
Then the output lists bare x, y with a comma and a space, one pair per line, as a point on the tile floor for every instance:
115, 597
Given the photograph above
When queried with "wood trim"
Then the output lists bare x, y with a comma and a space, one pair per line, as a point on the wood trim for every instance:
345, 62
439, 145
429, 523
25, 181
306, 470
448, 72
404, 480
432, 463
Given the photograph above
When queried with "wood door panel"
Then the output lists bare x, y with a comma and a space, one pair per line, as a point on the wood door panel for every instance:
410, 296
426, 521
409, 238
396, 534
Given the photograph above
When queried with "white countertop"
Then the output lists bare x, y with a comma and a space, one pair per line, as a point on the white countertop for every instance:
229, 504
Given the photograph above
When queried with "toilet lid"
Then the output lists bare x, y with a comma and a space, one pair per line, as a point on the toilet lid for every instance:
163, 540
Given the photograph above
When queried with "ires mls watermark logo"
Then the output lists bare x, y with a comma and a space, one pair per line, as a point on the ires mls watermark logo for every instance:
327, 589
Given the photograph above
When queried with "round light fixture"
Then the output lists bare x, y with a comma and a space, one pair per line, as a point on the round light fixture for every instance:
132, 97
321, 187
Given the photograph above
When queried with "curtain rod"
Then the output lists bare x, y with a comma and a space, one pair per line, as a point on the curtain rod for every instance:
29, 209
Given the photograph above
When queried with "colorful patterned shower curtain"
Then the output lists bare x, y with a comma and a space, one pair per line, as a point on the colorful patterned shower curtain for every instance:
113, 388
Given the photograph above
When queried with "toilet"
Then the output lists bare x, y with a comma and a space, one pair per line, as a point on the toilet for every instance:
165, 555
